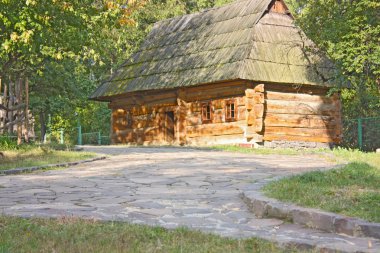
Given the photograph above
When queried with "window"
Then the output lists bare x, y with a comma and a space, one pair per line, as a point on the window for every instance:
206, 112
230, 110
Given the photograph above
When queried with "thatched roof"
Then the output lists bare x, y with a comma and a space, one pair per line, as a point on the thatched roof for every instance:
242, 40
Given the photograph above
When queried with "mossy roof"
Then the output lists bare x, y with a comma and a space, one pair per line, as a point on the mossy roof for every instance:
241, 40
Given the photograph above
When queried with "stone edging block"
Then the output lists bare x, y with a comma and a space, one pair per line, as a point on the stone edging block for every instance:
49, 166
264, 207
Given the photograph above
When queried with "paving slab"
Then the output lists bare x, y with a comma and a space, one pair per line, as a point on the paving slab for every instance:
171, 187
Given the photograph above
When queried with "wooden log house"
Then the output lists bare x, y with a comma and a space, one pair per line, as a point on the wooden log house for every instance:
238, 74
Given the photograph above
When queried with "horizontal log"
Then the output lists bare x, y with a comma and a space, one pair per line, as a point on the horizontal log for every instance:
297, 120
296, 107
214, 129
284, 96
144, 124
323, 139
241, 113
218, 104
214, 93
193, 119
141, 97
306, 89
240, 101
162, 102
218, 116
213, 140
298, 131
137, 130
207, 87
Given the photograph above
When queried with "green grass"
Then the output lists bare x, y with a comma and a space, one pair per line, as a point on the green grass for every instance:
75, 235
37, 156
353, 190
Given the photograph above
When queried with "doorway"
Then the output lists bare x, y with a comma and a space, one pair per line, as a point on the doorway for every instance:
169, 126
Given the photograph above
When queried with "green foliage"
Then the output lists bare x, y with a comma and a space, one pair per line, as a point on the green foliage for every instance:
198, 5
62, 86
7, 143
348, 31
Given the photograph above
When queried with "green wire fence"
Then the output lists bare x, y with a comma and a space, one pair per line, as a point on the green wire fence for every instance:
361, 133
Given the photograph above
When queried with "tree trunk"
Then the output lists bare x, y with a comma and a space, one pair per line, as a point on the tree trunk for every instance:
43, 126
5, 102
10, 104
19, 100
26, 136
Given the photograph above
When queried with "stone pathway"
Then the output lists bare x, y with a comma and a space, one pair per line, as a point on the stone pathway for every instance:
169, 187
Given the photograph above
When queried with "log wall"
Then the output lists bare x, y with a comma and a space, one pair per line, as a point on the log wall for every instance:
263, 113
218, 130
302, 115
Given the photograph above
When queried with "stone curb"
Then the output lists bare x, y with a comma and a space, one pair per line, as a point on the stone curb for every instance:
263, 206
49, 166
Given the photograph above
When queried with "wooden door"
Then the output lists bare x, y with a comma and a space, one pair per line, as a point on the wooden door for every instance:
169, 127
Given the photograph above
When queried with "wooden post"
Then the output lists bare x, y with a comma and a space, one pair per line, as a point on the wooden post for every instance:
360, 133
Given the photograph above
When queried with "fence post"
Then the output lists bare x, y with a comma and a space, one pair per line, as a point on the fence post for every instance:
79, 135
99, 138
360, 133
61, 141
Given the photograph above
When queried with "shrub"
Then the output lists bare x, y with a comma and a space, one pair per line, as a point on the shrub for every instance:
8, 143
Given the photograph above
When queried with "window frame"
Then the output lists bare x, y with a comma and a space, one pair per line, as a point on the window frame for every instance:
228, 111
203, 106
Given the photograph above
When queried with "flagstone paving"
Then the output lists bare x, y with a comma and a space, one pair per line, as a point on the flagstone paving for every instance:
169, 187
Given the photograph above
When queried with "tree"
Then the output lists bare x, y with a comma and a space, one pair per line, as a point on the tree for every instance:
39, 36
67, 48
348, 31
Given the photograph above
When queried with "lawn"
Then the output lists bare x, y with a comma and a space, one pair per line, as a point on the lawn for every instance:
353, 190
75, 235
36, 156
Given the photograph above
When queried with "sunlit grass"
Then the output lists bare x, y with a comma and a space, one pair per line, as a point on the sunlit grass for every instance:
75, 235
353, 190
38, 156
